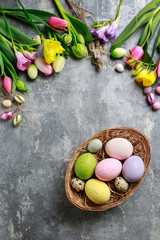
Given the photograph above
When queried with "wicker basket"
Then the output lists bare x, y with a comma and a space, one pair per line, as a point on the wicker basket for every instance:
141, 147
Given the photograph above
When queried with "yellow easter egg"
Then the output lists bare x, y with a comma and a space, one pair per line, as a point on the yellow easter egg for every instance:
97, 191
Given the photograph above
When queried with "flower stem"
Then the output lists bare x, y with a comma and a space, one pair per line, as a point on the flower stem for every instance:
150, 25
8, 27
70, 6
144, 63
25, 11
60, 8
10, 43
119, 9
70, 27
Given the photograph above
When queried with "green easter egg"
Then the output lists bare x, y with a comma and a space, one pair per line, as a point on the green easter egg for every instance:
85, 166
118, 52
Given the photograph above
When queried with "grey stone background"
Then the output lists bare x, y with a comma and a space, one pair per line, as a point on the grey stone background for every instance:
59, 115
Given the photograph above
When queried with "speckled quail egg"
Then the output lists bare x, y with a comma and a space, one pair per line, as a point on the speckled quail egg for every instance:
95, 145
121, 184
78, 184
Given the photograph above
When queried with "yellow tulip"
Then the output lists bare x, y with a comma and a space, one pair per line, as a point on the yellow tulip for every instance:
141, 76
150, 78
50, 49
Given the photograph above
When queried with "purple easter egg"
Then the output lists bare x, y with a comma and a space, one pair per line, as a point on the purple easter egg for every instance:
133, 169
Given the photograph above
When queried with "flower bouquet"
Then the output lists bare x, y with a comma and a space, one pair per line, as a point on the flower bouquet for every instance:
138, 58
19, 52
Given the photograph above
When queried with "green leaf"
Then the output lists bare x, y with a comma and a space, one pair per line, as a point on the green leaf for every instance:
42, 17
144, 35
152, 30
4, 47
130, 29
16, 12
10, 71
36, 19
80, 27
1, 64
128, 56
156, 43
18, 36
140, 19
147, 58
23, 17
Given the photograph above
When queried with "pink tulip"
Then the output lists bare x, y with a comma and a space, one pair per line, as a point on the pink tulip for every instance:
22, 62
7, 81
158, 69
44, 67
137, 53
58, 23
30, 55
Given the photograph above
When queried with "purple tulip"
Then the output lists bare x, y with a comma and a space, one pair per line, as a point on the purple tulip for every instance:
30, 55
151, 98
58, 23
22, 62
7, 82
7, 115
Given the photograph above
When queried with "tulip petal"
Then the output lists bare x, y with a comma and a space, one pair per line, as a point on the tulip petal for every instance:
150, 79
43, 66
158, 69
58, 23
111, 31
137, 53
30, 55
22, 62
7, 81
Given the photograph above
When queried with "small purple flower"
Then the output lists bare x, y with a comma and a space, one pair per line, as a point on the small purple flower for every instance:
105, 33
111, 31
92, 31
99, 33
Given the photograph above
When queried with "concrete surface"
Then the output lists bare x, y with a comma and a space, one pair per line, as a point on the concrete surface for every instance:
61, 113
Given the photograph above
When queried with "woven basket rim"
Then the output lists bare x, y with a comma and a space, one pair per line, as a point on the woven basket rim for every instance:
72, 195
